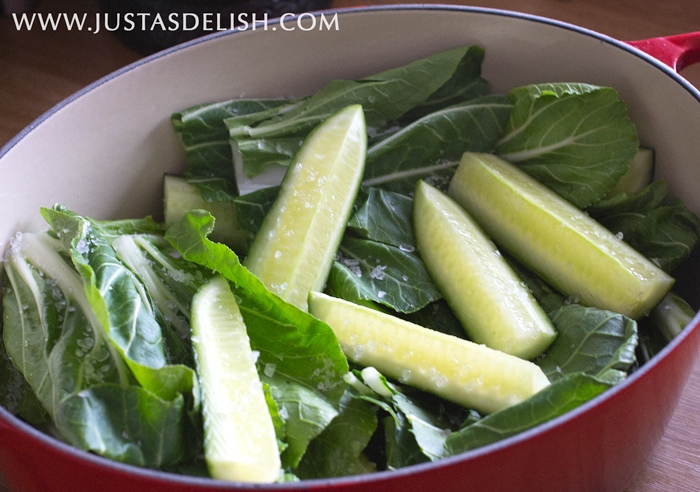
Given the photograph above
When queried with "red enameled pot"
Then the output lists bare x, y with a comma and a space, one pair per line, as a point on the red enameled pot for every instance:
102, 152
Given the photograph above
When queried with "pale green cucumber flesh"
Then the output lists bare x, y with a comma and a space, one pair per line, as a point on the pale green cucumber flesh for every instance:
490, 300
179, 197
554, 239
672, 315
639, 174
293, 251
239, 437
458, 370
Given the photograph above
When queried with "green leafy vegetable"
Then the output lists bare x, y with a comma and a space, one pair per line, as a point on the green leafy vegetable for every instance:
59, 344
651, 341
205, 138
431, 147
560, 397
418, 425
384, 217
574, 138
213, 189
126, 424
204, 122
252, 208
385, 97
401, 446
305, 413
120, 305
265, 110
389, 275
50, 332
591, 341
337, 451
654, 222
381, 264
465, 83
16, 395
671, 315
115, 228
171, 283
257, 154
437, 316
430, 433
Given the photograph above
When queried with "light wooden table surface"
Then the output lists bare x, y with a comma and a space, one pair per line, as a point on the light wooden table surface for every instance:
39, 69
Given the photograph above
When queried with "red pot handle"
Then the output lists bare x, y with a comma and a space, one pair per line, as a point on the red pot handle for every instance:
677, 51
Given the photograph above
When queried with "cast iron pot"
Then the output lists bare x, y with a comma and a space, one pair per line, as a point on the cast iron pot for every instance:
103, 151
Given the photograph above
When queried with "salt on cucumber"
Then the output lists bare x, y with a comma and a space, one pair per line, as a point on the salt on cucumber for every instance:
639, 174
293, 251
492, 303
554, 239
239, 437
458, 370
179, 197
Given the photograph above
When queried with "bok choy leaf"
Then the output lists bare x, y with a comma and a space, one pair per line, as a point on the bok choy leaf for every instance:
204, 137
591, 341
384, 217
58, 343
337, 451
385, 96
654, 222
431, 147
370, 270
127, 424
560, 397
306, 414
574, 138
15, 393
120, 304
402, 93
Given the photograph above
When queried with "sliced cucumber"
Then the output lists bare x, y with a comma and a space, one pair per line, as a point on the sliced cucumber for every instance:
639, 174
239, 436
492, 303
557, 241
672, 315
179, 197
464, 372
293, 251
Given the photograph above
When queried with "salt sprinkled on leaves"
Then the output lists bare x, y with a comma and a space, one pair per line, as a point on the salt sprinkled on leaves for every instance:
377, 272
270, 369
